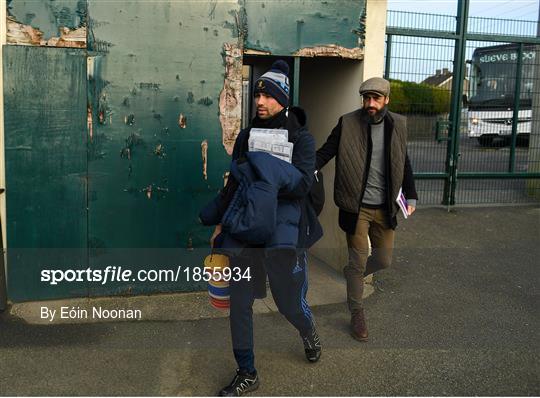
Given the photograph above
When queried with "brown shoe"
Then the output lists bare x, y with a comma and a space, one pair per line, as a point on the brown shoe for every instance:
358, 326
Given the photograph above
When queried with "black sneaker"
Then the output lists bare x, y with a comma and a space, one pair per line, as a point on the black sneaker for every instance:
312, 346
243, 382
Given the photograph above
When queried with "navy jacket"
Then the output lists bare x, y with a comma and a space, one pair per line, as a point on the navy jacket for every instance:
293, 184
256, 216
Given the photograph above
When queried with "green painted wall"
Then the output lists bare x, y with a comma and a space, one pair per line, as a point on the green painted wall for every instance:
284, 26
128, 185
49, 15
45, 140
157, 67
153, 61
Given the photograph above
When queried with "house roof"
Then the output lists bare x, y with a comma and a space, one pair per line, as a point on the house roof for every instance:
438, 79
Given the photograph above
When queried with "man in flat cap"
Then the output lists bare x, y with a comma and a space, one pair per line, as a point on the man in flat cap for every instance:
372, 166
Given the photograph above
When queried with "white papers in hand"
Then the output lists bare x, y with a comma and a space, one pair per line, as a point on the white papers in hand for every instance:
402, 203
272, 141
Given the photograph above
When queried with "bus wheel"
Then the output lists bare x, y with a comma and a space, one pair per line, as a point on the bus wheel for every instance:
485, 141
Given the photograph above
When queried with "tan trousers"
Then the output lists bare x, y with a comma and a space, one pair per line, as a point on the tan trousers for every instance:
372, 223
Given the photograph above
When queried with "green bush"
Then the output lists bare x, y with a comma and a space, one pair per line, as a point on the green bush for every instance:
418, 98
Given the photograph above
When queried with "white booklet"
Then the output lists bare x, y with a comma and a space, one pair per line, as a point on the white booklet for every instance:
272, 141
402, 203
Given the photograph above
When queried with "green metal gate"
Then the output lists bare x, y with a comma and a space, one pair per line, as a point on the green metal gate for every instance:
470, 88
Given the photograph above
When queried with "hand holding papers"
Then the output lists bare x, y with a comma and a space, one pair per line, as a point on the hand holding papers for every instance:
273, 141
402, 203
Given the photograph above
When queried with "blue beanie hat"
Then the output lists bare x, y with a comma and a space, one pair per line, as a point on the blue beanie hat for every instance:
275, 83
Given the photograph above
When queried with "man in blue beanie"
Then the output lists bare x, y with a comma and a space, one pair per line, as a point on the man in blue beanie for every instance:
286, 270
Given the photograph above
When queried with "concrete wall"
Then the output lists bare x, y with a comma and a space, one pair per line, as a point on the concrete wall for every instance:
329, 89
373, 64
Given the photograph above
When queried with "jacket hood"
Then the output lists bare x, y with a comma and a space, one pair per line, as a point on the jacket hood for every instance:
296, 123
300, 115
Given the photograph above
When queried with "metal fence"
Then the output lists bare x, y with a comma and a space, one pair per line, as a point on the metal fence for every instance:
470, 89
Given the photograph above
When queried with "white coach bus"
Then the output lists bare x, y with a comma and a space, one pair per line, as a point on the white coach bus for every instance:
491, 94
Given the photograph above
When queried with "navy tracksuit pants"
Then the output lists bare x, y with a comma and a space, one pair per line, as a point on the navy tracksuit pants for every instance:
287, 274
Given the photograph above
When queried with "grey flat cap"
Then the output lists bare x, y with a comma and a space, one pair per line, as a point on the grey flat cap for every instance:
376, 85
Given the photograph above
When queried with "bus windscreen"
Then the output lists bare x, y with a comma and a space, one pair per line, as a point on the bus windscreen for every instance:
493, 77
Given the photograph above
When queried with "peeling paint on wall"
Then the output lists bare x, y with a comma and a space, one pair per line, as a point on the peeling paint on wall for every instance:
159, 151
69, 38
148, 191
361, 31
286, 26
134, 140
182, 121
18, 33
250, 51
204, 154
49, 15
26, 35
89, 122
230, 98
331, 50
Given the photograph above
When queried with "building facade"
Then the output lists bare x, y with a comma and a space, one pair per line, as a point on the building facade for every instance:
119, 119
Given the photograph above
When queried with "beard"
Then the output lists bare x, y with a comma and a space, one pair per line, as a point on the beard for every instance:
375, 117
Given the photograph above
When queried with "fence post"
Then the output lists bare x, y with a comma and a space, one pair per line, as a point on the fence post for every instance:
533, 163
455, 110
515, 114
387, 57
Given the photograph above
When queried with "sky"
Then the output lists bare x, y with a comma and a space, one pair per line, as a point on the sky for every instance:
510, 9
414, 59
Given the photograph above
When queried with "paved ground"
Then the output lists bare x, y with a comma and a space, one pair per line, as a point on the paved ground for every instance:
456, 315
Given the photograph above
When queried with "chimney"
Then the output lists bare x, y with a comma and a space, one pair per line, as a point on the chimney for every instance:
445, 71
437, 72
